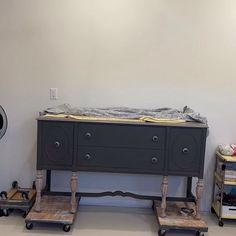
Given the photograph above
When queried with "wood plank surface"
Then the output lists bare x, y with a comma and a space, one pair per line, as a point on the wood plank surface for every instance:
175, 220
54, 209
11, 193
14, 196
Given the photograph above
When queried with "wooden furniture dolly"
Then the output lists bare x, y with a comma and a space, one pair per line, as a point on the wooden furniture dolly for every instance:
175, 220
54, 209
17, 198
121, 147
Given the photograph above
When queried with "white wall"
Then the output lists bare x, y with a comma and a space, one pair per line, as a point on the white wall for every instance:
137, 53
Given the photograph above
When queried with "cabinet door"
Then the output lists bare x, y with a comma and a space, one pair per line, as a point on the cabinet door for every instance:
55, 145
186, 152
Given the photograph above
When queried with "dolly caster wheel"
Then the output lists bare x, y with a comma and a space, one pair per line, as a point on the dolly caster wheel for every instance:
198, 233
161, 232
66, 228
5, 212
221, 223
25, 195
3, 195
14, 184
29, 226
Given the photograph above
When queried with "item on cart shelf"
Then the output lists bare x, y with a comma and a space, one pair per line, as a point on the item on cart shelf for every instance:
185, 211
230, 174
227, 170
229, 199
227, 149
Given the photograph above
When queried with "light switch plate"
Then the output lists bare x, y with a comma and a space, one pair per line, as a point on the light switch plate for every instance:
53, 93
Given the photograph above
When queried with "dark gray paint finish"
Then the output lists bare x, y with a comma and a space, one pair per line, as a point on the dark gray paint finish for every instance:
122, 159
121, 147
55, 145
115, 135
185, 154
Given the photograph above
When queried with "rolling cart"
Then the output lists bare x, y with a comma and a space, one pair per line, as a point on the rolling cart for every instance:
224, 205
17, 198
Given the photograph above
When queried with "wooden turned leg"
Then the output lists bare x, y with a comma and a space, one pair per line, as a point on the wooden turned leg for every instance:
199, 190
164, 188
73, 185
38, 185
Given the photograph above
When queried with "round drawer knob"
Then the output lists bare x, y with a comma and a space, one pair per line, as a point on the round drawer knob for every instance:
88, 135
185, 150
154, 160
87, 156
154, 138
57, 144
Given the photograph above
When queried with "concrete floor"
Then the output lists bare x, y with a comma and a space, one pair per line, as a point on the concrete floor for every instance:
109, 221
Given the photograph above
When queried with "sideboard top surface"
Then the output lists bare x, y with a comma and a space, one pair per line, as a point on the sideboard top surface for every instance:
135, 122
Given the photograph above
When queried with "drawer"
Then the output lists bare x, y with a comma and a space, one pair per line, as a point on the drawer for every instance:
55, 145
120, 159
114, 135
186, 151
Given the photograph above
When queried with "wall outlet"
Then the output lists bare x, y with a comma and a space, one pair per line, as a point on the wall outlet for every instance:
53, 93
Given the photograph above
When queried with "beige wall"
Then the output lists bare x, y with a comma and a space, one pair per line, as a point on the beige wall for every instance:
137, 53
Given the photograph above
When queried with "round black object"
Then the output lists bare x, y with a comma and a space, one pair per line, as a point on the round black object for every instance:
186, 211
3, 122
29, 226
66, 228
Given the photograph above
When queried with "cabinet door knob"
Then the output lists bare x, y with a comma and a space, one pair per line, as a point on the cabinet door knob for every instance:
87, 156
154, 138
185, 150
88, 135
57, 144
154, 160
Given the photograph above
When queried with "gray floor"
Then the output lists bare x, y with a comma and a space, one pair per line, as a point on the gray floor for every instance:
109, 221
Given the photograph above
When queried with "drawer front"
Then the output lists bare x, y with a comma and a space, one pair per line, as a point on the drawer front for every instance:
185, 151
55, 146
113, 135
120, 160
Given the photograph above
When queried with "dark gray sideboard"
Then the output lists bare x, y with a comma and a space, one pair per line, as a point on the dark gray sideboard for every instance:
122, 147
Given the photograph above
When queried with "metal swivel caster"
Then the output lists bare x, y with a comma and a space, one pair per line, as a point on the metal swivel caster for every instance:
198, 233
15, 184
66, 228
3, 195
29, 226
161, 232
221, 223
5, 212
